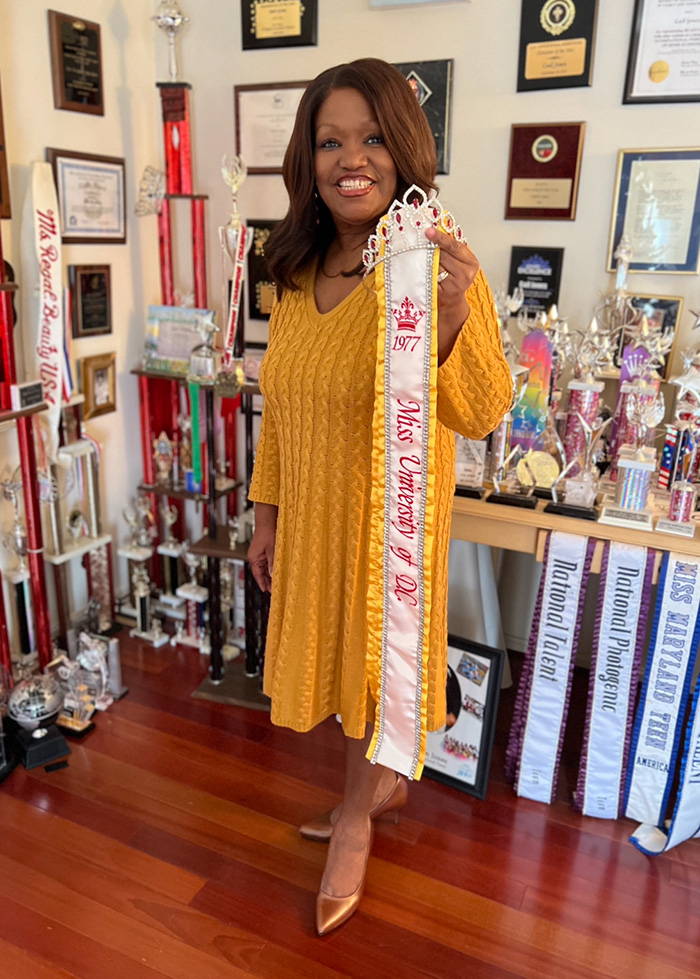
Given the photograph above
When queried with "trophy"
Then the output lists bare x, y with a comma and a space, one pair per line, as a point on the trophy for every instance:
33, 707
170, 550
92, 657
204, 358
163, 456
16, 542
170, 19
78, 705
507, 486
146, 628
195, 596
7, 760
580, 476
470, 460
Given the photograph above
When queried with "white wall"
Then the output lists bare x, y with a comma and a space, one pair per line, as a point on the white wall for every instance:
481, 36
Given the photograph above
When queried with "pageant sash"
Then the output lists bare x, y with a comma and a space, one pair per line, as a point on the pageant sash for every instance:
403, 476
546, 683
671, 658
42, 252
621, 622
685, 822
244, 236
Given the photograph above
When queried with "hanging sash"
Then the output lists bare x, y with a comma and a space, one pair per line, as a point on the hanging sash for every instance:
235, 245
42, 248
671, 658
534, 751
621, 622
685, 822
403, 476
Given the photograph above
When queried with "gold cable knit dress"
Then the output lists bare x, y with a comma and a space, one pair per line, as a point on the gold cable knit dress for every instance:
313, 462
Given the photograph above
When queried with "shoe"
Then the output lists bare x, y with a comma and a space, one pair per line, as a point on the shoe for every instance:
320, 829
331, 912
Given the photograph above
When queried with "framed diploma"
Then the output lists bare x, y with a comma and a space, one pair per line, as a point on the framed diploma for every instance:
460, 753
5, 210
545, 162
557, 41
657, 205
98, 384
537, 271
76, 64
278, 23
431, 82
664, 56
265, 117
261, 288
91, 300
90, 196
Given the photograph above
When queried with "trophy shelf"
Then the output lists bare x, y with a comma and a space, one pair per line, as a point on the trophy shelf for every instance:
8, 287
218, 547
8, 416
70, 553
247, 388
182, 494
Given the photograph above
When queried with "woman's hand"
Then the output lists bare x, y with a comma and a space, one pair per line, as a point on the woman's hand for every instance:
261, 553
461, 265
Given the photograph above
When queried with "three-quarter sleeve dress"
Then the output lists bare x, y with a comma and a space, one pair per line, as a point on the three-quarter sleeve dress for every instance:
313, 462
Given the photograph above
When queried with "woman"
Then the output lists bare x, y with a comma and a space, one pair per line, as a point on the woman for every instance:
360, 140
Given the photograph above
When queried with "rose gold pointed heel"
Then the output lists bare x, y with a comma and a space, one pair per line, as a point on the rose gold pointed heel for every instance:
331, 912
320, 828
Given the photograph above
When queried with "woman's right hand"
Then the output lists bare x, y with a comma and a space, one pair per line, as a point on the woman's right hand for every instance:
261, 553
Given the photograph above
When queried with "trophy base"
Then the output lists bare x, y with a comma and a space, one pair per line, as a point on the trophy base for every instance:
7, 767
678, 528
73, 730
472, 492
618, 517
156, 639
193, 642
35, 752
193, 593
512, 499
542, 493
571, 510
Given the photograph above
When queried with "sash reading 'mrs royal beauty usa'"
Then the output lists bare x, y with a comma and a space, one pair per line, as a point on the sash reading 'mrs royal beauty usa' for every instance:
403, 476
658, 724
534, 749
620, 629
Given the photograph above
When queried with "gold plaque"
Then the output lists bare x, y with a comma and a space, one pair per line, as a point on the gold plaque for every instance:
531, 192
544, 468
556, 59
279, 19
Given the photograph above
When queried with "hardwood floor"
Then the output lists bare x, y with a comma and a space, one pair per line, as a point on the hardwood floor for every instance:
169, 847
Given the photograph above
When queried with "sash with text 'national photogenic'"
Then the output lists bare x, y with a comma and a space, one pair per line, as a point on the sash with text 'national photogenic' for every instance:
403, 476
621, 621
658, 723
542, 704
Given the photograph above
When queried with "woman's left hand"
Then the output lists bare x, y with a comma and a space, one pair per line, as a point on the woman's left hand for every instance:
461, 265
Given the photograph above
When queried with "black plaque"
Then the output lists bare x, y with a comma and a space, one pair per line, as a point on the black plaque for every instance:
537, 271
76, 64
261, 288
91, 300
278, 23
557, 39
432, 83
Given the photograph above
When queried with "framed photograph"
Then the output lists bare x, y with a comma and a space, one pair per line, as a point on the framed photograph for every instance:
432, 83
657, 205
663, 63
91, 197
661, 311
98, 384
5, 210
460, 753
252, 359
537, 271
278, 23
91, 300
543, 176
172, 333
261, 288
76, 64
265, 117
557, 41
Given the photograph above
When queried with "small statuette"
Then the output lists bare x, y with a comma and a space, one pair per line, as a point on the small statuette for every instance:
151, 192
170, 19
163, 456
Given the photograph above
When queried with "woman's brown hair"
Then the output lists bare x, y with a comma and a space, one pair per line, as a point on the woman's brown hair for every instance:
308, 229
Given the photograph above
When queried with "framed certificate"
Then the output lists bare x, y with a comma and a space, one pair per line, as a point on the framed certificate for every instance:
91, 300
278, 23
76, 64
664, 56
545, 162
537, 271
5, 210
265, 117
460, 753
261, 288
90, 196
557, 41
657, 205
431, 82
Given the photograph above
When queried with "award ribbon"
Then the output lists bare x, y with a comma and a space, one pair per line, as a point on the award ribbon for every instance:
657, 727
620, 629
403, 476
245, 237
542, 704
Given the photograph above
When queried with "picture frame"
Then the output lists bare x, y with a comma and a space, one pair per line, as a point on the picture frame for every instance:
544, 170
172, 333
537, 271
669, 239
662, 64
278, 24
91, 196
265, 117
432, 83
663, 311
261, 288
253, 354
557, 44
460, 753
5, 208
99, 384
91, 300
76, 64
